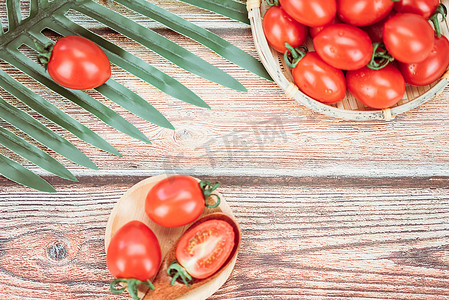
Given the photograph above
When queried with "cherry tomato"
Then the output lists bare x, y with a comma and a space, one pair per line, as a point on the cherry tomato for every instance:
134, 252
363, 12
424, 8
408, 37
202, 250
430, 69
311, 12
344, 46
319, 80
315, 30
376, 30
176, 201
78, 63
376, 88
280, 28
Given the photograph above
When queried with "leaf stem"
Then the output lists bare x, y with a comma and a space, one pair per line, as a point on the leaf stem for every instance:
440, 10
175, 270
379, 59
293, 55
131, 284
207, 187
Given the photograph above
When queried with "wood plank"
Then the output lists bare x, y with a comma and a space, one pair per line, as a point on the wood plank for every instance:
302, 239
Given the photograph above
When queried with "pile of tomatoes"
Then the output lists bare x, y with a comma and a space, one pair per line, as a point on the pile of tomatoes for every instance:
134, 253
371, 48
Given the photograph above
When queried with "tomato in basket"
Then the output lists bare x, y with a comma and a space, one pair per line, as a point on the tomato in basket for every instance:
363, 12
311, 12
424, 8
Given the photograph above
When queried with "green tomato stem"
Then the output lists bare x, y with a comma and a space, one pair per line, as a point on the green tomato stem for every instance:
293, 55
207, 187
131, 284
272, 2
43, 57
379, 60
175, 270
440, 10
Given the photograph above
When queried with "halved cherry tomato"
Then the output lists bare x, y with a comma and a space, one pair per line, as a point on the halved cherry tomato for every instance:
311, 12
408, 37
430, 69
363, 12
279, 28
376, 88
344, 46
178, 200
78, 63
315, 30
318, 80
424, 8
203, 249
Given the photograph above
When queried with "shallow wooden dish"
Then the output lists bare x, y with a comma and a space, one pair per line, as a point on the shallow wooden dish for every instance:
131, 207
349, 108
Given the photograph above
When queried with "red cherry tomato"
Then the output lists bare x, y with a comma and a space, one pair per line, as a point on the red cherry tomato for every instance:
202, 250
408, 37
344, 46
315, 30
319, 80
376, 30
424, 8
376, 88
280, 28
430, 69
363, 12
78, 63
134, 252
175, 201
311, 12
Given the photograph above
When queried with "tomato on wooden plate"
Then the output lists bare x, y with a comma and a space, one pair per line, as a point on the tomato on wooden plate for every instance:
376, 88
344, 46
203, 249
408, 37
363, 12
311, 12
318, 80
178, 200
424, 8
430, 69
279, 28
78, 63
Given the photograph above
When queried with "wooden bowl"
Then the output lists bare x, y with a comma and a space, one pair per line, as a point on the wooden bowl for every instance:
349, 108
131, 207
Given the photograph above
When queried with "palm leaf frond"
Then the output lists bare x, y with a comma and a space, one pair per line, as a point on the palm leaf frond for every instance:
51, 15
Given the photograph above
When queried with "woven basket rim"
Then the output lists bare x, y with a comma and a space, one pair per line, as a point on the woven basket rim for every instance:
274, 69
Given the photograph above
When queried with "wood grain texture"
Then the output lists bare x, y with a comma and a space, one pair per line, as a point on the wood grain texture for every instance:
335, 239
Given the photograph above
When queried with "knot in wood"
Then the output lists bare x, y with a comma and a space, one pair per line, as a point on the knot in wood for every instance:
57, 251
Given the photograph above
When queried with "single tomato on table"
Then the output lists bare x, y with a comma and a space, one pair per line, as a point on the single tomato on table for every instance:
311, 12
376, 88
77, 63
133, 257
279, 28
344, 46
430, 69
178, 200
408, 37
363, 12
202, 251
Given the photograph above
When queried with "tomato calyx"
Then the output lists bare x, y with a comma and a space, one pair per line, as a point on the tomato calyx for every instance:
293, 55
379, 59
440, 10
175, 270
43, 57
207, 188
131, 284
272, 2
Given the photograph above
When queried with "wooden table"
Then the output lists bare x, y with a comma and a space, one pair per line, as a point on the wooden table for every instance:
329, 209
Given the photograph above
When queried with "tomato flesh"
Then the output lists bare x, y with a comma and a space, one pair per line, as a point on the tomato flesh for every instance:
408, 37
279, 28
202, 250
311, 12
78, 63
175, 201
134, 252
344, 46
376, 88
318, 80
430, 69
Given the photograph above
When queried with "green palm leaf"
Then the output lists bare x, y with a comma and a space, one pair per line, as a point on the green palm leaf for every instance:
45, 14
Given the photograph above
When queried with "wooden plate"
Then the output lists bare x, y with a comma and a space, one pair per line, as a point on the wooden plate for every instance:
131, 207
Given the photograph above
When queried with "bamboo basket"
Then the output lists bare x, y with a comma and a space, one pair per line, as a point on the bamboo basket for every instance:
349, 108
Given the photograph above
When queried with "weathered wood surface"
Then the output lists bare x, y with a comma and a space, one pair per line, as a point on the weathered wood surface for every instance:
329, 209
